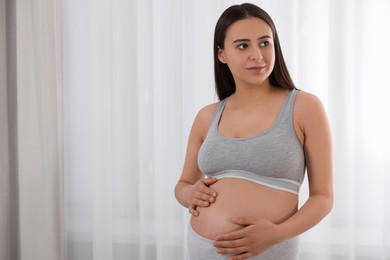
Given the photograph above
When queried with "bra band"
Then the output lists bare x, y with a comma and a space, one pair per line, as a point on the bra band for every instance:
275, 183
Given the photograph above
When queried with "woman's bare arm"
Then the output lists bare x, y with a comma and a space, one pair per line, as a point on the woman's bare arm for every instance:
192, 189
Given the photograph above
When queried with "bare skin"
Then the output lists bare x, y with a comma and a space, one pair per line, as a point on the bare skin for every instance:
242, 217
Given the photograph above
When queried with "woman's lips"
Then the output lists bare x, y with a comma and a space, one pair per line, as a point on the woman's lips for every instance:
256, 68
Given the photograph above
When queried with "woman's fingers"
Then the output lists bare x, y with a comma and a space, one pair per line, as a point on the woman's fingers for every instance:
193, 211
197, 203
206, 196
202, 195
204, 184
209, 181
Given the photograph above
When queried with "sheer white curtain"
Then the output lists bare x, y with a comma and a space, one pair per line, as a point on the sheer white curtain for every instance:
338, 50
4, 158
31, 207
136, 73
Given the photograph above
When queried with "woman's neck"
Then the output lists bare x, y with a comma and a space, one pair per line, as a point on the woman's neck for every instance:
249, 94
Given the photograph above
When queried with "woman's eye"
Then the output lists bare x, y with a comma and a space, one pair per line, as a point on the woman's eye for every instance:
242, 46
264, 44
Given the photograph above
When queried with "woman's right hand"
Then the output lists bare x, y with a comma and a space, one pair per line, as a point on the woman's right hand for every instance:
201, 195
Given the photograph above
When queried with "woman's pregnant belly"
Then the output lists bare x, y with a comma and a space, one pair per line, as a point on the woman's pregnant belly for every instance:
242, 198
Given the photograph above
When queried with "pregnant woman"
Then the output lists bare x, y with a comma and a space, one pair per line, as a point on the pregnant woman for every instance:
248, 153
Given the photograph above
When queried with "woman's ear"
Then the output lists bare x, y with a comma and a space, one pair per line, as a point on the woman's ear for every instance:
221, 55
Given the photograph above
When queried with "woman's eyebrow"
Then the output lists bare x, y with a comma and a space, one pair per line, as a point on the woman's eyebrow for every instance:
247, 40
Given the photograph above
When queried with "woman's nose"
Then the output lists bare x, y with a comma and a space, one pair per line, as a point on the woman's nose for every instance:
255, 55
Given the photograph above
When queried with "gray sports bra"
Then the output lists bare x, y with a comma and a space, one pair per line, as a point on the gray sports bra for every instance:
273, 158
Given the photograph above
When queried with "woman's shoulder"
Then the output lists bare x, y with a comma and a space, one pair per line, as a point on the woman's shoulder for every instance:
208, 111
204, 117
307, 95
308, 108
307, 101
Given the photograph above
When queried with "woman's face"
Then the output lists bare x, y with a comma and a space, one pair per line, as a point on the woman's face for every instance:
249, 51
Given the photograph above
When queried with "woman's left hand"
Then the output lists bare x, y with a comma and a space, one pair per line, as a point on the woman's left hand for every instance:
255, 237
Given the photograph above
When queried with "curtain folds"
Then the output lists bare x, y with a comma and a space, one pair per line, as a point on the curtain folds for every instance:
118, 181
4, 158
31, 130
